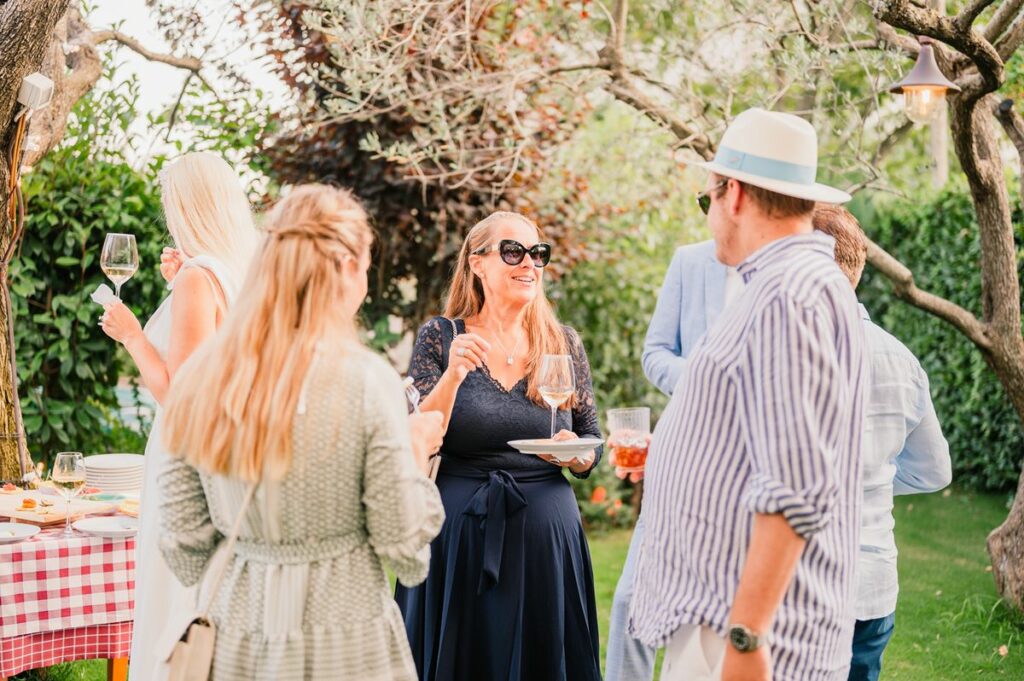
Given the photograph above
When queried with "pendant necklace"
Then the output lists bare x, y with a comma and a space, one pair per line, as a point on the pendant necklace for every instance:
509, 356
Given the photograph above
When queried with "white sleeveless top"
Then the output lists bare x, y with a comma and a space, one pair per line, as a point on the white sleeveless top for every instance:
160, 599
158, 328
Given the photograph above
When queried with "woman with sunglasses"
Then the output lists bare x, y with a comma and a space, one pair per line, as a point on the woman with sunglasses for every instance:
510, 593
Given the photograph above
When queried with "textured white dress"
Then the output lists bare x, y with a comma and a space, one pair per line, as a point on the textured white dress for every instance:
159, 596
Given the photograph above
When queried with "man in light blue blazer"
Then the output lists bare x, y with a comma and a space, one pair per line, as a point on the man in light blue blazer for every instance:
696, 290
692, 297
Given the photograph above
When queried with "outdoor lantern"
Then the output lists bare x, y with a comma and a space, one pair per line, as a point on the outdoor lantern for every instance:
924, 88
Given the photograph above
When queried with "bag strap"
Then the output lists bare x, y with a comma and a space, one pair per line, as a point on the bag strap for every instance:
229, 548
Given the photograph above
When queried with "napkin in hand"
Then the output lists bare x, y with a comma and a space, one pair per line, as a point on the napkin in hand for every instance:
103, 295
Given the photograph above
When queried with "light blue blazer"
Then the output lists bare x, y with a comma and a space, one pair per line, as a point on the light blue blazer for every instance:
690, 301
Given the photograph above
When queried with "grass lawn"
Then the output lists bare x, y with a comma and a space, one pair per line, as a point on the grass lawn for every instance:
949, 625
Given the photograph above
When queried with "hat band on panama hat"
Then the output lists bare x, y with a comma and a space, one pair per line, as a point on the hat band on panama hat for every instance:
762, 166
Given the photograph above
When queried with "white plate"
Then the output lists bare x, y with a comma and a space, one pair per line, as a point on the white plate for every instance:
108, 526
564, 450
114, 462
13, 532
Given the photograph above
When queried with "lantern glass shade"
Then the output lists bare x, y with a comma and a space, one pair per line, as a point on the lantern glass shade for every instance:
922, 103
924, 88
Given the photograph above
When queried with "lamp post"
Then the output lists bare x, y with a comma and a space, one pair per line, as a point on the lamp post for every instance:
924, 88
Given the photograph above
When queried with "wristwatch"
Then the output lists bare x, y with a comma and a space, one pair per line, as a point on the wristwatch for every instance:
745, 640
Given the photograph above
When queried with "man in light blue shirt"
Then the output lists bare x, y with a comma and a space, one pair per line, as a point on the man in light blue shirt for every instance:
696, 289
904, 453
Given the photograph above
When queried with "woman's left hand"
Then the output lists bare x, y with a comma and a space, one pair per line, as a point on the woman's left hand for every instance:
580, 464
119, 323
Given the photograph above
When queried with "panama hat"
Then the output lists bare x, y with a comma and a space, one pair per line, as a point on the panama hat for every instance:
774, 151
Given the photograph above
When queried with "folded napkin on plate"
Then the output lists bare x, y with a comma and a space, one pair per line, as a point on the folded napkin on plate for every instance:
103, 295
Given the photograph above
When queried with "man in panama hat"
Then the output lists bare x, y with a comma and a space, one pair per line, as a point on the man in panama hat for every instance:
752, 506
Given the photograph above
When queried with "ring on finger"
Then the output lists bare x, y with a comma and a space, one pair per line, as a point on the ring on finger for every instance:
461, 352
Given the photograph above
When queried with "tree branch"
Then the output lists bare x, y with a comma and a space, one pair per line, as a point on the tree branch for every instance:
970, 12
867, 44
623, 87
901, 42
904, 287
1011, 40
1003, 17
922, 21
188, 63
1013, 124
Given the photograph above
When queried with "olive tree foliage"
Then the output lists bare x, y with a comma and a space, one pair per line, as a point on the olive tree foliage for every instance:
458, 68
464, 72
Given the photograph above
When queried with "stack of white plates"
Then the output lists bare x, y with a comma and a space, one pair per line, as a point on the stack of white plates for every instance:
115, 472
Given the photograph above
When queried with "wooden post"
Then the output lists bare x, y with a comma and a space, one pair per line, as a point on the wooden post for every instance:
117, 669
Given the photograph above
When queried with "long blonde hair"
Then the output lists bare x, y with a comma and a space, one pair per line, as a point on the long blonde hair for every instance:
231, 406
207, 211
466, 298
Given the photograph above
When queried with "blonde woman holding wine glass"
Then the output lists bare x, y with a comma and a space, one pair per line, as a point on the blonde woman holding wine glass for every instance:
209, 219
510, 592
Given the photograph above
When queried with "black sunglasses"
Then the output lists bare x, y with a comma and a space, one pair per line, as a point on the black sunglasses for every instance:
513, 252
704, 198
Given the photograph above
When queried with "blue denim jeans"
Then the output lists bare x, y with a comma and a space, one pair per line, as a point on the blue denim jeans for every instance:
869, 640
628, 659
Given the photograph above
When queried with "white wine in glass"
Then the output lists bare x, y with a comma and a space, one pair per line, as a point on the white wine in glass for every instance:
119, 259
68, 476
557, 383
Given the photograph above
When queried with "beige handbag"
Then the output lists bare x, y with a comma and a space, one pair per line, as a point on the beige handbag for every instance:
192, 656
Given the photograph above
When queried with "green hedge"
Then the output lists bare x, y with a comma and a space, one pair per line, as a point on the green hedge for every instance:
68, 369
938, 240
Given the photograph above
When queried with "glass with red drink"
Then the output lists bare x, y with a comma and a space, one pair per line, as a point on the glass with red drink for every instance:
629, 433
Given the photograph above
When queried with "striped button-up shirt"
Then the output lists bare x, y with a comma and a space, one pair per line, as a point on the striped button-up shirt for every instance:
766, 418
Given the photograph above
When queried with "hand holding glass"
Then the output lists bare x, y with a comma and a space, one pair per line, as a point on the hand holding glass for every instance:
628, 440
557, 382
119, 259
68, 476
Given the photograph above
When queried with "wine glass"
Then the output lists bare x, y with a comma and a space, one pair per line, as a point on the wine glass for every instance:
557, 382
119, 259
68, 475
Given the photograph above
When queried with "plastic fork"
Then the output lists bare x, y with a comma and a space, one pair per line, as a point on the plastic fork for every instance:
412, 394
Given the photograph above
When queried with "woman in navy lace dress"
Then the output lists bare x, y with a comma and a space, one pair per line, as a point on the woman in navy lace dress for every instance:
510, 593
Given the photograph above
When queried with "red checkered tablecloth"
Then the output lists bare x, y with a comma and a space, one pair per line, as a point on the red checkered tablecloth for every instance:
65, 598
103, 641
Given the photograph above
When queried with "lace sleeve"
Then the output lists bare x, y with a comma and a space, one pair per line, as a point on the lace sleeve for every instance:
584, 414
427, 363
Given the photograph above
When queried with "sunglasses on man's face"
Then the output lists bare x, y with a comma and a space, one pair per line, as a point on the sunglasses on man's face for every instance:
704, 198
513, 252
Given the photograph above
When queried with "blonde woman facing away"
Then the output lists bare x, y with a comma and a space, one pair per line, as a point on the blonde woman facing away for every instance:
286, 396
208, 218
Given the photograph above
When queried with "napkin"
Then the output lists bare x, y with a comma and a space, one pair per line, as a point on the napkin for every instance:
103, 295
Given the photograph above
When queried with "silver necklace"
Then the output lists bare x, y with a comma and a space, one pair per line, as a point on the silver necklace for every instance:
509, 356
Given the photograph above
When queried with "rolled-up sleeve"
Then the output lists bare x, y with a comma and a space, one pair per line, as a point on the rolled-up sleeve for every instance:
403, 507
793, 395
